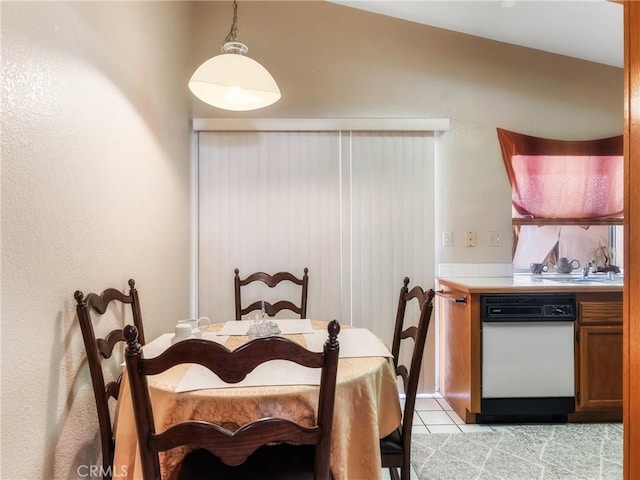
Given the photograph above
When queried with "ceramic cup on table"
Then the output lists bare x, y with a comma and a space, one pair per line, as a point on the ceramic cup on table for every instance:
182, 332
195, 324
538, 268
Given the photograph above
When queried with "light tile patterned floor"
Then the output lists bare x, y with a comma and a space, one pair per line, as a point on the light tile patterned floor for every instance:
435, 415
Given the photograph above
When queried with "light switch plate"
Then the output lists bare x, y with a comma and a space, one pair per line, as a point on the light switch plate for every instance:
447, 239
494, 239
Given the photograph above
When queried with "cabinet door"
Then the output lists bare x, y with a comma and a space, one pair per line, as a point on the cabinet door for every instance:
600, 348
459, 373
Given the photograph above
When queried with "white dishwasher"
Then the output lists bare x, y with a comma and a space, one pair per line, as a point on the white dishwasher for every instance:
527, 356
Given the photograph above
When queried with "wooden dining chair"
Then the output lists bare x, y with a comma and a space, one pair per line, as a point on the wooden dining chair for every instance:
101, 348
272, 281
265, 448
396, 447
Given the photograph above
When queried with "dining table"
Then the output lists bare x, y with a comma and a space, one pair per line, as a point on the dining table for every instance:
367, 405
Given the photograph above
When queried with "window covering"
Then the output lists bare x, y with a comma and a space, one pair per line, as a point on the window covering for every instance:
269, 201
564, 179
356, 208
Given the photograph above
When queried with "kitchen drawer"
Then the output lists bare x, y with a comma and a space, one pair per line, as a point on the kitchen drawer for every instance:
600, 313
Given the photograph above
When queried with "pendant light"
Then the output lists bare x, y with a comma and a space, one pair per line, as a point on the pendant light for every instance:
233, 81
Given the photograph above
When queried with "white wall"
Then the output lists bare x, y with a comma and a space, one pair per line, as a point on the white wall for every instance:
334, 61
95, 148
95, 190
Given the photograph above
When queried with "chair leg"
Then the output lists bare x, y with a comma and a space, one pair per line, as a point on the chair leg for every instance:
393, 473
405, 473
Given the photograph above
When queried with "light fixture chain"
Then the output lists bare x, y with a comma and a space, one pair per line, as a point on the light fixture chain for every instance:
233, 81
233, 33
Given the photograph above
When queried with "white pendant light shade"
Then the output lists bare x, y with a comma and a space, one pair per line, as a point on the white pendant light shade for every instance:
233, 81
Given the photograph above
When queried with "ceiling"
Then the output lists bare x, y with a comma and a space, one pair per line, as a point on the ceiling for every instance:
586, 29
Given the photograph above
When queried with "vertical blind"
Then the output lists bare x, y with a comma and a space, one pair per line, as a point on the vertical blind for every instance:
356, 208
391, 223
268, 201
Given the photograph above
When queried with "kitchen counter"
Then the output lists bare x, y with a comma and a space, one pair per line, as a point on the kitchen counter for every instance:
597, 340
526, 282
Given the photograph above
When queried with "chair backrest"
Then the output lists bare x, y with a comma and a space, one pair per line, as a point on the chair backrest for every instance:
418, 335
99, 348
232, 448
272, 281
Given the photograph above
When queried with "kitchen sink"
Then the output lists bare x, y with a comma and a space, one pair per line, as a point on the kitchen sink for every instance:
590, 279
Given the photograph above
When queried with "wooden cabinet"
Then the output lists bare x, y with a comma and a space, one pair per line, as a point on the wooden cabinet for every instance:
459, 337
598, 353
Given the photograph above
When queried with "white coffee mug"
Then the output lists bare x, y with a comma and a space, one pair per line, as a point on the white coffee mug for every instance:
195, 324
183, 331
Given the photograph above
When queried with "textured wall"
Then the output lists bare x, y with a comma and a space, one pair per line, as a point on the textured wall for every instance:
335, 61
95, 148
95, 190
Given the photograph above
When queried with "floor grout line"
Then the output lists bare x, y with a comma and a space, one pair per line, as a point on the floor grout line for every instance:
439, 404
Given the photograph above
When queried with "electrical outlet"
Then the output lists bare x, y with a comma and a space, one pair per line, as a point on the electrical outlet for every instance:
469, 239
494, 239
447, 239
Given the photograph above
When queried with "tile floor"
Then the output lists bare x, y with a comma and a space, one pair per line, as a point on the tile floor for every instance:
433, 414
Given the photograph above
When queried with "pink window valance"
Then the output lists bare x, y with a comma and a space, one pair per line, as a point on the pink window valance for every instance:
564, 179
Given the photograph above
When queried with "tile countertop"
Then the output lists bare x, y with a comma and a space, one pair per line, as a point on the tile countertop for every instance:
526, 282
